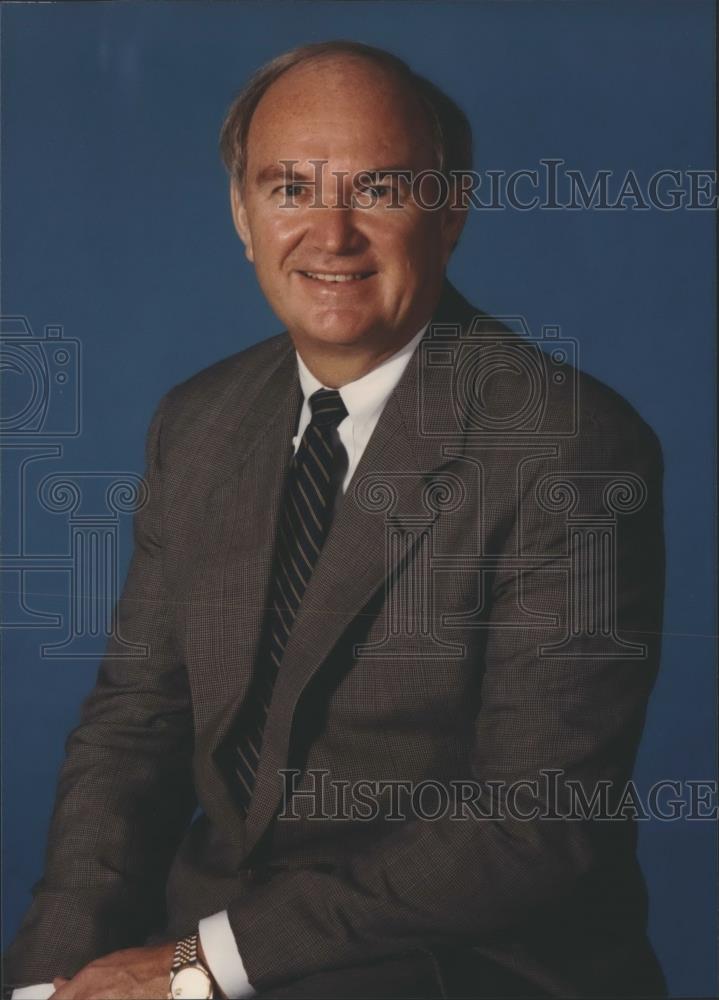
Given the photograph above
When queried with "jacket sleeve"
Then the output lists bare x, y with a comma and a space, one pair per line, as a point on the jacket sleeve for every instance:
431, 881
125, 790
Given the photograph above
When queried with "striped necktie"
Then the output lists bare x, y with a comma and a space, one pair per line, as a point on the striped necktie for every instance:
305, 518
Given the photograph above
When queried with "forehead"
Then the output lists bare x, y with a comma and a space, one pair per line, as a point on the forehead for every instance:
346, 110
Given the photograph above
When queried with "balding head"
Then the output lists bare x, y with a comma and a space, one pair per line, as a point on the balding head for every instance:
451, 135
342, 109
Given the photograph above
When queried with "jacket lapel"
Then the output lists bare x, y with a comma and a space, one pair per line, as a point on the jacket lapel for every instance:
244, 510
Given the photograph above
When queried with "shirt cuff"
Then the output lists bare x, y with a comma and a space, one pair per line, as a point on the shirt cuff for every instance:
222, 956
38, 991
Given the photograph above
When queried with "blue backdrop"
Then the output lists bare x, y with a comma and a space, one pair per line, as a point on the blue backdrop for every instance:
116, 227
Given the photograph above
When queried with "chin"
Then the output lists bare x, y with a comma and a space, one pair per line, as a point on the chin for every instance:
338, 333
337, 338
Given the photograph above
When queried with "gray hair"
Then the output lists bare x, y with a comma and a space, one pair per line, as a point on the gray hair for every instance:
450, 129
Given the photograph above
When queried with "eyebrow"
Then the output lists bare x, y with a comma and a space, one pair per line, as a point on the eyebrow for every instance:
276, 172
377, 173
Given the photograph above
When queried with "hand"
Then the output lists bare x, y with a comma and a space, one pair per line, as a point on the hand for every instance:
132, 974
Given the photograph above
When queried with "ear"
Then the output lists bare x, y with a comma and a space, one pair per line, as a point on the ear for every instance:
452, 225
239, 217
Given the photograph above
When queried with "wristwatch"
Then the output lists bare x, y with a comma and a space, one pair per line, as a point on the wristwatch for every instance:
189, 979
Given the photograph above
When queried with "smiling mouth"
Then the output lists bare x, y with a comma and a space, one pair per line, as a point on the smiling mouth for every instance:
330, 276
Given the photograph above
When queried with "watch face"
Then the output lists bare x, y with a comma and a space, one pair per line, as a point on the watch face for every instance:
191, 984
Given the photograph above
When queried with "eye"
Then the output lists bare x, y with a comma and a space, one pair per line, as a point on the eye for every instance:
380, 194
290, 193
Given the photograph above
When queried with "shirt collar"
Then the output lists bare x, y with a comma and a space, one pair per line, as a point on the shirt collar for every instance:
366, 396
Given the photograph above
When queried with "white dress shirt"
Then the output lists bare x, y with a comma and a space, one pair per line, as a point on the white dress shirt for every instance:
364, 399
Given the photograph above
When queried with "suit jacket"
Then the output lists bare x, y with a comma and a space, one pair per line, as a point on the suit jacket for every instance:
442, 637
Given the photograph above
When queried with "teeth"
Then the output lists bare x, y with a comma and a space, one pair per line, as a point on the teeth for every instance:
333, 277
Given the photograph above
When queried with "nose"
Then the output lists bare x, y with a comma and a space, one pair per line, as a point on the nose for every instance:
333, 229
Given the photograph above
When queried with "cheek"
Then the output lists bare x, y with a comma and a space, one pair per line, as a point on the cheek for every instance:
274, 237
412, 246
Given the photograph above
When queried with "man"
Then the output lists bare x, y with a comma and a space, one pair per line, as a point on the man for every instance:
396, 552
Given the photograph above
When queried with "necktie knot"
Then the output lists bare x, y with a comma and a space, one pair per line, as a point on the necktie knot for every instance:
327, 407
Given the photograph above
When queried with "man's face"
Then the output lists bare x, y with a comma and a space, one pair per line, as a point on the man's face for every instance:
353, 118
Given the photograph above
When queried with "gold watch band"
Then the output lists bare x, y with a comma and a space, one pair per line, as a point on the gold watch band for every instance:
185, 952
